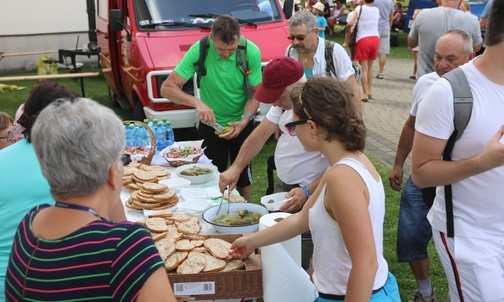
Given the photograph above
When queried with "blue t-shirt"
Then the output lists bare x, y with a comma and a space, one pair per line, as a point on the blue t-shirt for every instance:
22, 187
321, 22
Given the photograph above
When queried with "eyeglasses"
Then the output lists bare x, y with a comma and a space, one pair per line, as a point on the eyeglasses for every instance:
10, 137
291, 127
297, 37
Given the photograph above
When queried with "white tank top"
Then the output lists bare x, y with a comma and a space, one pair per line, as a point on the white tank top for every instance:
331, 260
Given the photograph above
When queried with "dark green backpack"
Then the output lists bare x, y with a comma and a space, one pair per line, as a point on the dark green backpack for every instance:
241, 61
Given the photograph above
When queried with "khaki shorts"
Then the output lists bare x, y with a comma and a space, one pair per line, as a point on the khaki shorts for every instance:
384, 42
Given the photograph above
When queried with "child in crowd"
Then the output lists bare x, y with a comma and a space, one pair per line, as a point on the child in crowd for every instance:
415, 51
318, 10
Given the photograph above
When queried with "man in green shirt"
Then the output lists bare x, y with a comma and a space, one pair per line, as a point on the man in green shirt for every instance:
224, 98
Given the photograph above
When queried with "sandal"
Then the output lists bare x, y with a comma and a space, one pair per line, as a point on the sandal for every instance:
412, 77
364, 100
379, 76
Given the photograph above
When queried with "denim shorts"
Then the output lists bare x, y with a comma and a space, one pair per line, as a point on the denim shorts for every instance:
388, 293
414, 230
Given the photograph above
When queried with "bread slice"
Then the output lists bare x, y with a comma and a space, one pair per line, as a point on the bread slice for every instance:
158, 236
233, 265
172, 262
165, 247
212, 264
189, 227
234, 198
156, 224
184, 245
181, 255
173, 234
217, 247
192, 265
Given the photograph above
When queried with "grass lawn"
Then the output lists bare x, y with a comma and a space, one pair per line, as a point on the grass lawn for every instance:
96, 89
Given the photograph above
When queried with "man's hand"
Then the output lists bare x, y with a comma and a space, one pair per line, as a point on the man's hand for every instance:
229, 177
205, 114
238, 128
492, 155
396, 177
296, 203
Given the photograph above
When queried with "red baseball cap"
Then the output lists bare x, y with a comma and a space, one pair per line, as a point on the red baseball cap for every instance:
277, 75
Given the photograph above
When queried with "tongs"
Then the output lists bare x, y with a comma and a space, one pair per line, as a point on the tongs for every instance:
220, 204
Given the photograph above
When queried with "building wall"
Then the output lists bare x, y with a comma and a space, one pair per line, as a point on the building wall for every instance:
35, 25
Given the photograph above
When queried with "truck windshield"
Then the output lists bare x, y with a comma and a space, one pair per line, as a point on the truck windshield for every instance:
176, 14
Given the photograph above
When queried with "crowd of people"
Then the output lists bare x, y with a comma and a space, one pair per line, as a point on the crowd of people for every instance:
72, 220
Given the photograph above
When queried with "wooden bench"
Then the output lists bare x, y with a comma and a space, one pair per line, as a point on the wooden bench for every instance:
28, 53
78, 75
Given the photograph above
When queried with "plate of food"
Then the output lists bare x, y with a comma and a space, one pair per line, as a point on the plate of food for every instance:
183, 153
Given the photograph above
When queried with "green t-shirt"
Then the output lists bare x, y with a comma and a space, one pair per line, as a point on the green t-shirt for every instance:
222, 88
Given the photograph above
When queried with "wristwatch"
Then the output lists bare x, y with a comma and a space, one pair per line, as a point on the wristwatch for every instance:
251, 116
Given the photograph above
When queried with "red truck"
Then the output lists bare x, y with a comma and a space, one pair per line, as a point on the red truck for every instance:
141, 41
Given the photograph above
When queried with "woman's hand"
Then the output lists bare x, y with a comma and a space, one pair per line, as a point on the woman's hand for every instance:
241, 248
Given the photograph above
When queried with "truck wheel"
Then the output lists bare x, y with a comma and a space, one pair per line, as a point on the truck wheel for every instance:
114, 98
139, 113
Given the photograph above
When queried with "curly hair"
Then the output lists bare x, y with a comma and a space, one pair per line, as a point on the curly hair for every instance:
328, 103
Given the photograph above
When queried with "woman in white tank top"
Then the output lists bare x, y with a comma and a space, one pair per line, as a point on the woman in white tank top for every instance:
345, 213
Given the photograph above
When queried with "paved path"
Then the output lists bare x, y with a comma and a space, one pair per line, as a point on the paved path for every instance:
385, 114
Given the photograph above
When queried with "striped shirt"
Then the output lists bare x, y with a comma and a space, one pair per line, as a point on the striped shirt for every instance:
102, 261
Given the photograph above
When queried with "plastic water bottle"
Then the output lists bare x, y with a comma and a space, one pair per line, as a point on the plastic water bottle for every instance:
142, 137
170, 136
130, 135
160, 137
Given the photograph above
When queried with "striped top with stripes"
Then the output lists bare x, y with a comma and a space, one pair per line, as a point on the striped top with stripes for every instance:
102, 261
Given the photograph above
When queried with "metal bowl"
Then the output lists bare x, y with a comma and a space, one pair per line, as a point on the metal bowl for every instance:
211, 213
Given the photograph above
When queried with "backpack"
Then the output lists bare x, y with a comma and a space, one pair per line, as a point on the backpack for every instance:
462, 105
241, 61
328, 54
329, 47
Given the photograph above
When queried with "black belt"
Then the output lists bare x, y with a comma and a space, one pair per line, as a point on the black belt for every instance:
341, 297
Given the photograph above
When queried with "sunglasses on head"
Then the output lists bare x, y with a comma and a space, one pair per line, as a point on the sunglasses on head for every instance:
297, 37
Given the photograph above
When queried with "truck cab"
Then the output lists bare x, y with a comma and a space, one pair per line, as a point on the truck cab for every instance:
141, 41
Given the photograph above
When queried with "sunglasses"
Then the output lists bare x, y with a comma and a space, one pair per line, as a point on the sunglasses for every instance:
291, 127
297, 37
10, 137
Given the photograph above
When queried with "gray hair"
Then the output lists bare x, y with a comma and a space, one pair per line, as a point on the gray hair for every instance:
466, 38
76, 143
304, 17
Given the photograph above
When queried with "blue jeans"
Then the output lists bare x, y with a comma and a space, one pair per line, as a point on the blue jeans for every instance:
388, 293
414, 230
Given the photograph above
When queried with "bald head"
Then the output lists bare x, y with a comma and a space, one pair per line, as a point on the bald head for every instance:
453, 49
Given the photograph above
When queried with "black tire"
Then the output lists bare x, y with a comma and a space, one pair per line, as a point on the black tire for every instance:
139, 114
113, 97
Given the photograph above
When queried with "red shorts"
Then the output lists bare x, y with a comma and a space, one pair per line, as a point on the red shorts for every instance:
367, 48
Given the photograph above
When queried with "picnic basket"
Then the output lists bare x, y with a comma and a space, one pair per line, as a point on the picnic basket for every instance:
146, 159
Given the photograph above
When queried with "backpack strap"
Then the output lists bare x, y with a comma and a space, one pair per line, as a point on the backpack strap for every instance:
462, 106
241, 61
329, 49
201, 61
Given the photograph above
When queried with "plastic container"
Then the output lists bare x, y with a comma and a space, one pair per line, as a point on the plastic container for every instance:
278, 201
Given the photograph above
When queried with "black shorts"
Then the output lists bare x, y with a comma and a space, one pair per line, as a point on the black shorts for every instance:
222, 151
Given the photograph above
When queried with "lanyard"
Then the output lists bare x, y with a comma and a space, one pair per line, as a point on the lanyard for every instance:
78, 207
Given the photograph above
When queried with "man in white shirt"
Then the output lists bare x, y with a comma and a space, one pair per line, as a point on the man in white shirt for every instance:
473, 259
297, 169
431, 23
414, 232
